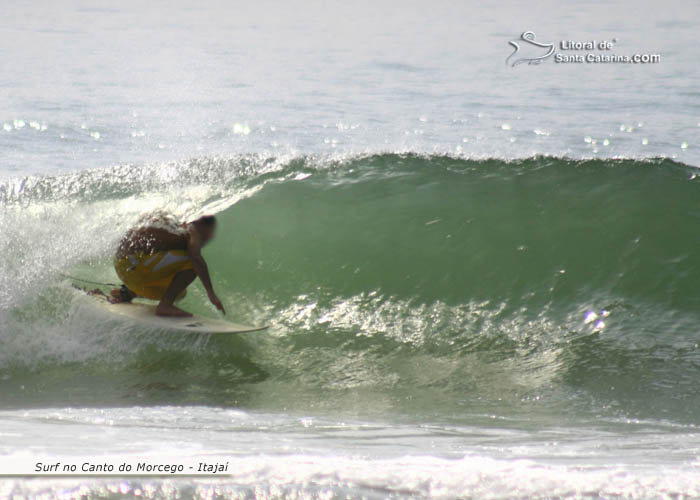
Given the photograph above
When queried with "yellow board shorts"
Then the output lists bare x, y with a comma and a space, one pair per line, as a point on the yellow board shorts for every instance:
149, 274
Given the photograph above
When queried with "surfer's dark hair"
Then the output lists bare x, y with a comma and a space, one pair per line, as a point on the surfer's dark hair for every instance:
206, 221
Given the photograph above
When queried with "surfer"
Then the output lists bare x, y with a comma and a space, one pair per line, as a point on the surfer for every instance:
159, 260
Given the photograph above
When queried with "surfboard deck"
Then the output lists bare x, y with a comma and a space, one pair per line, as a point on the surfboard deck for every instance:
145, 314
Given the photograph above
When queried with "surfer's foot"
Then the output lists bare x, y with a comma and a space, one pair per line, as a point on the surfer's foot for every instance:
171, 310
122, 294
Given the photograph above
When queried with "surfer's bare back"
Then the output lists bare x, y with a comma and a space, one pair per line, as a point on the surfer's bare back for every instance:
159, 260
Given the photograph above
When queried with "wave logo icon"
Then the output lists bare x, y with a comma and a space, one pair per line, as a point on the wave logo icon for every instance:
528, 50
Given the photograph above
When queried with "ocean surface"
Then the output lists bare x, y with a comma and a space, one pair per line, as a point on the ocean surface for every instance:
482, 281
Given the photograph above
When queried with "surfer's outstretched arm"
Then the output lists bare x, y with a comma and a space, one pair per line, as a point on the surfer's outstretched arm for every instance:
194, 248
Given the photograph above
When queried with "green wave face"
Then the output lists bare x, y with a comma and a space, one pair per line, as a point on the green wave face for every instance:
393, 284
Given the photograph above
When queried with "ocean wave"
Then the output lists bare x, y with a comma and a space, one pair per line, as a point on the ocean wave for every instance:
386, 274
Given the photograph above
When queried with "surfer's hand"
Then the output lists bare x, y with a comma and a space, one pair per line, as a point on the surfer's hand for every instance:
217, 303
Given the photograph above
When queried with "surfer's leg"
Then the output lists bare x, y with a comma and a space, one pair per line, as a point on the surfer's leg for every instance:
177, 285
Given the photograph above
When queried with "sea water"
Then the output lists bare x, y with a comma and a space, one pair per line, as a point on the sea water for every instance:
481, 279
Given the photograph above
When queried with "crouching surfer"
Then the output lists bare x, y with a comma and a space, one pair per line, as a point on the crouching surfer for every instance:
159, 259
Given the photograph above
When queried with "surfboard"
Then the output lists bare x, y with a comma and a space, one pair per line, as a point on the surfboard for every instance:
144, 314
